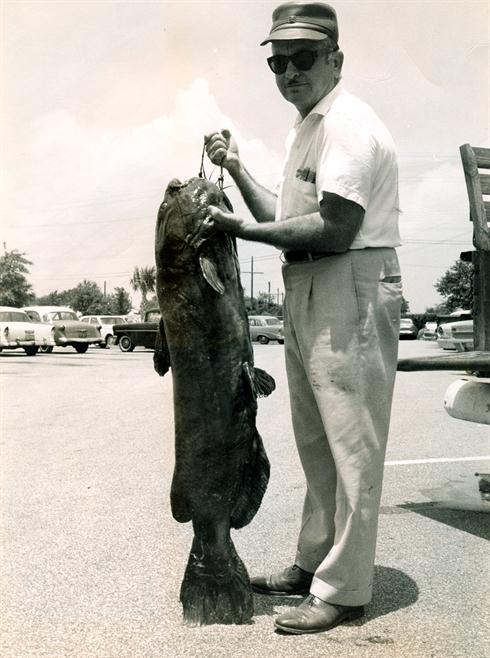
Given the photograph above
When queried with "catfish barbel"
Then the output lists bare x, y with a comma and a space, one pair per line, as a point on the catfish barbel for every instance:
221, 468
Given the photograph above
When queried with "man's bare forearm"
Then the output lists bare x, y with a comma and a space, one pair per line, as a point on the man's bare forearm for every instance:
311, 232
260, 201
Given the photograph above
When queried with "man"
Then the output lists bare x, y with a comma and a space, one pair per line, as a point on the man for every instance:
336, 219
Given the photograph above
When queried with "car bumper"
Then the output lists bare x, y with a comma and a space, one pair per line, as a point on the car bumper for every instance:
18, 343
63, 341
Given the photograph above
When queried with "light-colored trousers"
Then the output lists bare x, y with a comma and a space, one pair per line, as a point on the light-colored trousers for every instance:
342, 317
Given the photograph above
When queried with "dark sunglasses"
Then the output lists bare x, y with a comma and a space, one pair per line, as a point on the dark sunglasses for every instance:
303, 60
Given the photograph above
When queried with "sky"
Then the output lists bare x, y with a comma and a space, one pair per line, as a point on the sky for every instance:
103, 103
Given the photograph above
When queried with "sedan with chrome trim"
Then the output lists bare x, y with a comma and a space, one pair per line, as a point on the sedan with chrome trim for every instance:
18, 331
68, 330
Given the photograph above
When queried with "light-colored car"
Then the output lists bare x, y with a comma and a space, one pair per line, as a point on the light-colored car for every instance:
17, 330
265, 328
68, 330
105, 324
462, 333
408, 329
457, 334
428, 331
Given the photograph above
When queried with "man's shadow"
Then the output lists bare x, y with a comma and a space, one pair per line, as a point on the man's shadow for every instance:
392, 590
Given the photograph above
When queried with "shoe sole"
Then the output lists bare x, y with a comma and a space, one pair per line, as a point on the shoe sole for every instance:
273, 592
348, 616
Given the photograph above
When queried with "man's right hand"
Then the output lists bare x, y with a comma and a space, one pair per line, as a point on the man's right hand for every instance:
222, 149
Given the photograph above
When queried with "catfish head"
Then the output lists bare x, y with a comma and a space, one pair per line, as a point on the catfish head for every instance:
185, 236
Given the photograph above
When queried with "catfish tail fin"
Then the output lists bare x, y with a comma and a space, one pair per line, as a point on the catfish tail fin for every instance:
216, 586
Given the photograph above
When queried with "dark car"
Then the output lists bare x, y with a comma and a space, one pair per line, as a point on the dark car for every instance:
137, 334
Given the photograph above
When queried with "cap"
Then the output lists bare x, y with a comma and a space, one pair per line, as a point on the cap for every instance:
301, 19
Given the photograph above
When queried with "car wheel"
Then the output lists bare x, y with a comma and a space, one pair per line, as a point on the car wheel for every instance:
263, 340
81, 349
46, 349
31, 350
107, 343
126, 344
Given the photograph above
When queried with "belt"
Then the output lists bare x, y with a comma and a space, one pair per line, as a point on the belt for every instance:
302, 256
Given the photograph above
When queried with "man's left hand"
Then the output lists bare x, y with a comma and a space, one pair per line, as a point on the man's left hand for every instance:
226, 221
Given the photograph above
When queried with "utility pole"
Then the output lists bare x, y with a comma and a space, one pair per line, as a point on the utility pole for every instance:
252, 274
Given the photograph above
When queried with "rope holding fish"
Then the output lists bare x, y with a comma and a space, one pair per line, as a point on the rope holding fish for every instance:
202, 173
221, 178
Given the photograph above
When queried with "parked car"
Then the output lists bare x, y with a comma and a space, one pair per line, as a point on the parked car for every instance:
17, 330
105, 323
456, 335
428, 331
68, 330
265, 328
458, 319
138, 334
408, 329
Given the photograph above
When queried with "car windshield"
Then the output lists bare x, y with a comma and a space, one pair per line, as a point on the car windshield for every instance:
14, 316
405, 323
111, 320
62, 315
154, 316
272, 321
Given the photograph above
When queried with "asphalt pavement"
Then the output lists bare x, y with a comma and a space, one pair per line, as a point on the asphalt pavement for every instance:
92, 559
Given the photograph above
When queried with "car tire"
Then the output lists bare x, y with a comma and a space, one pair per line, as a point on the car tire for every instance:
31, 350
126, 344
46, 349
81, 349
263, 340
107, 343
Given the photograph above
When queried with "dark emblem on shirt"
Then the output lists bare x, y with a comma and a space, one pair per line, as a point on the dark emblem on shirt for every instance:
307, 175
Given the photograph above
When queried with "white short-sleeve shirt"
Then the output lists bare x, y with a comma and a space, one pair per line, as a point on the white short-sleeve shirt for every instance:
342, 147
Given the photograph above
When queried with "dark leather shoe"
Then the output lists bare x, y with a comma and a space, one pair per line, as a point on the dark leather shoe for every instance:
290, 582
316, 616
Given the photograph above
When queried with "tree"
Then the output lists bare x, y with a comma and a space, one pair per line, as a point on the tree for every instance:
119, 303
87, 298
405, 306
15, 290
144, 279
263, 305
55, 298
456, 286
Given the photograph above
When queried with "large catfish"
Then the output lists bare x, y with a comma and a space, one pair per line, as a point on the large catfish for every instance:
221, 468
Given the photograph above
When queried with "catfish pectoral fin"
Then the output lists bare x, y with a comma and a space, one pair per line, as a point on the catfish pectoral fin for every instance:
161, 355
263, 383
210, 273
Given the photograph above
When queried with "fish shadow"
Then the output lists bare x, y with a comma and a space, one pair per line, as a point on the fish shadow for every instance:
392, 590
